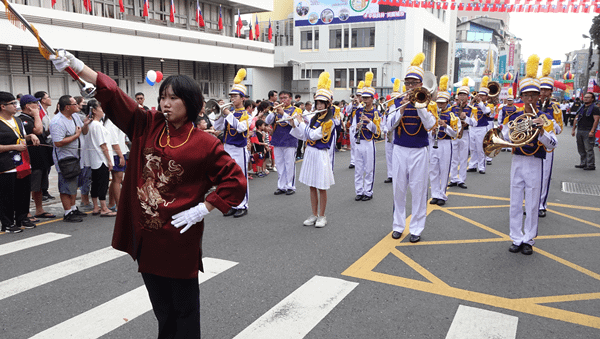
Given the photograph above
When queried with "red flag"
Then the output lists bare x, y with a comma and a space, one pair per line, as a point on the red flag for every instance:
461, 6
238, 28
121, 6
597, 8
256, 29
199, 18
145, 8
453, 6
172, 15
87, 4
515, 84
53, 3
270, 34
586, 8
469, 7
575, 8
445, 5
220, 19
250, 35
484, 7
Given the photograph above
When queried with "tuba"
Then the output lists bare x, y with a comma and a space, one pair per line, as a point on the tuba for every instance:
521, 132
494, 88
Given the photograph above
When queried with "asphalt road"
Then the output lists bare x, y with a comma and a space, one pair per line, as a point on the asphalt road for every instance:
347, 280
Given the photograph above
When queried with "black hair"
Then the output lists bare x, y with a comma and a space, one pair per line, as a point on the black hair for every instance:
272, 93
64, 101
263, 106
187, 90
297, 104
249, 103
6, 97
307, 103
330, 111
92, 104
78, 99
593, 95
298, 96
139, 93
259, 123
286, 92
39, 94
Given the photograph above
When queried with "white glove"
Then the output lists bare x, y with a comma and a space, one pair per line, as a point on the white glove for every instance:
66, 59
190, 217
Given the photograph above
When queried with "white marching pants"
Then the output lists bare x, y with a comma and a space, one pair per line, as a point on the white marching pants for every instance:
352, 145
546, 180
410, 170
460, 155
389, 151
525, 183
364, 171
241, 157
439, 167
285, 158
477, 155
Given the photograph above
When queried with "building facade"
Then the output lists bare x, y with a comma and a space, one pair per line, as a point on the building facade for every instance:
126, 45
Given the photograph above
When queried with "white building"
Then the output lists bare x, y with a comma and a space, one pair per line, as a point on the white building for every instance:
348, 40
126, 45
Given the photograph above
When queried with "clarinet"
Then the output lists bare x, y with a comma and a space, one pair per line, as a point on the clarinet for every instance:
437, 131
359, 127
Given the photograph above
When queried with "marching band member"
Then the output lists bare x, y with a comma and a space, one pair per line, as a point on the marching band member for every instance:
337, 129
460, 145
235, 135
316, 171
527, 165
410, 126
284, 144
554, 114
479, 122
440, 157
494, 107
507, 109
366, 124
356, 103
389, 134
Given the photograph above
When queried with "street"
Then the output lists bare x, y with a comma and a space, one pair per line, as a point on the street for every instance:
267, 276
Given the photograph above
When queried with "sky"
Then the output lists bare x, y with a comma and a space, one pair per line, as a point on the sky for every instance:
554, 34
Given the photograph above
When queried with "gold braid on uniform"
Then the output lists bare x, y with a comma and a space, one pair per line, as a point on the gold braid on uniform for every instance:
244, 117
326, 129
432, 107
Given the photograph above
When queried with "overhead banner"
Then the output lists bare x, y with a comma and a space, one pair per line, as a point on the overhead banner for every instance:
324, 12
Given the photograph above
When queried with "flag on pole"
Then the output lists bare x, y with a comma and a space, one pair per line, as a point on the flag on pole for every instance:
172, 15
199, 18
256, 29
515, 84
220, 19
270, 31
87, 4
250, 35
239, 26
121, 6
53, 3
145, 8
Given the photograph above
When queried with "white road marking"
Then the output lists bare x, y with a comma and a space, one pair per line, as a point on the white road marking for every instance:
476, 323
117, 312
48, 274
297, 314
30, 242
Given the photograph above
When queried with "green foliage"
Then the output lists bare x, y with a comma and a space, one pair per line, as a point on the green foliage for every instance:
595, 30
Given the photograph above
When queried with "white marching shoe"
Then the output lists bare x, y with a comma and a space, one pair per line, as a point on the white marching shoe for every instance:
311, 220
321, 222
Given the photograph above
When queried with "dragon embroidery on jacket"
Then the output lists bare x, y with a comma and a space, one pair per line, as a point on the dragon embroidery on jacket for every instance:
159, 184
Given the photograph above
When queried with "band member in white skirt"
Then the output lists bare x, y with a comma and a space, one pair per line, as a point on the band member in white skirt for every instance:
367, 123
441, 149
554, 114
356, 104
461, 144
316, 171
235, 135
527, 165
411, 159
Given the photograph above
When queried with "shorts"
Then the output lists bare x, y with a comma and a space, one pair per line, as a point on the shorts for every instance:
39, 180
116, 167
85, 180
67, 186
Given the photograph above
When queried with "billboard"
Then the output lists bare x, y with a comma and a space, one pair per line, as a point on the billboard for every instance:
472, 58
324, 12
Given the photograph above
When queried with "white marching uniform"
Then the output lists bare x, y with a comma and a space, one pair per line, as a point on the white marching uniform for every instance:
478, 130
352, 135
237, 153
389, 146
440, 158
410, 163
548, 162
316, 168
460, 150
525, 183
334, 134
364, 160
285, 156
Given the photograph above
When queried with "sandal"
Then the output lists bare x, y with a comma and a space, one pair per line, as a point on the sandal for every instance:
45, 215
108, 214
96, 213
33, 219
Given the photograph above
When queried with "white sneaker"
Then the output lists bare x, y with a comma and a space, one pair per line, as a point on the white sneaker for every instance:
310, 221
274, 169
321, 222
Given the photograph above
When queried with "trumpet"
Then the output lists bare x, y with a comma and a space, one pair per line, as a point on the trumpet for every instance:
213, 107
273, 108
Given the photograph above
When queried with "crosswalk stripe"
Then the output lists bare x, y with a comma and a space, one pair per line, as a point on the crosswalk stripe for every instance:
117, 312
48, 274
477, 323
297, 314
30, 242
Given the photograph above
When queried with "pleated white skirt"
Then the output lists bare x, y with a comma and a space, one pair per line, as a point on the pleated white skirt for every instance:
316, 169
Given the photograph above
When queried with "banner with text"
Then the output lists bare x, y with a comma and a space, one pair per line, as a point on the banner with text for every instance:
324, 12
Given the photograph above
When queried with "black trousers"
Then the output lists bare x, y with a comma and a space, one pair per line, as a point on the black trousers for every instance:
176, 305
99, 182
14, 199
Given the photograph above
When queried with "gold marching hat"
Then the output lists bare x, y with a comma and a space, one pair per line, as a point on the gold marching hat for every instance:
443, 94
546, 81
415, 70
483, 89
530, 83
323, 92
368, 91
238, 87
465, 87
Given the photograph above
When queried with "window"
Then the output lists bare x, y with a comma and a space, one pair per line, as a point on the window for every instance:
335, 38
427, 50
479, 36
309, 40
311, 73
360, 75
346, 37
351, 77
363, 37
339, 78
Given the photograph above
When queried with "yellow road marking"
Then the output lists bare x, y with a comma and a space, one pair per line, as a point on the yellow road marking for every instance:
422, 271
562, 298
575, 218
568, 263
470, 221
